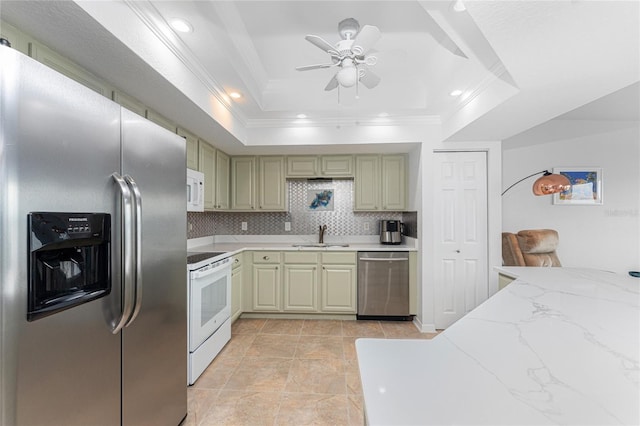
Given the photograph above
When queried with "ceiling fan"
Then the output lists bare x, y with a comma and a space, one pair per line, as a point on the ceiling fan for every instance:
349, 54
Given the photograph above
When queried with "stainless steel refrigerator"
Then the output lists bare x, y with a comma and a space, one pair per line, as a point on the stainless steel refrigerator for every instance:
92, 257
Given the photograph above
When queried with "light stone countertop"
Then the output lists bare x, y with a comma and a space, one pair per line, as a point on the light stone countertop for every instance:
235, 244
555, 346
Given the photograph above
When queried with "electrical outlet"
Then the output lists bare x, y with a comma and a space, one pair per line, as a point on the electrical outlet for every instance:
287, 226
244, 226
366, 226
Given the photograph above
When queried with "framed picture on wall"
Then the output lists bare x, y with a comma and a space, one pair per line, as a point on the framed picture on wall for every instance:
586, 186
320, 200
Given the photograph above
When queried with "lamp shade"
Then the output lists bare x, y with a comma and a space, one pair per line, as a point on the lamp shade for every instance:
551, 183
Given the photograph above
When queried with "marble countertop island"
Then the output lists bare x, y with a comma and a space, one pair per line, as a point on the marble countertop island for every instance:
556, 346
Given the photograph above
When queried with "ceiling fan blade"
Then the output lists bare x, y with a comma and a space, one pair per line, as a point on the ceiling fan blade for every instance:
322, 44
333, 83
365, 39
315, 67
370, 79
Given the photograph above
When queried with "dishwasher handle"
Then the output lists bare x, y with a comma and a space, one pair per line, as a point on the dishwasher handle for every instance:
381, 259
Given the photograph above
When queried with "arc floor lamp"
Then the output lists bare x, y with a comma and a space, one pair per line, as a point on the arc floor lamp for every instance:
547, 184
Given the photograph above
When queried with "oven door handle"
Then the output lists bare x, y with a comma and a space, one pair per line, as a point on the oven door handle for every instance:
126, 230
137, 209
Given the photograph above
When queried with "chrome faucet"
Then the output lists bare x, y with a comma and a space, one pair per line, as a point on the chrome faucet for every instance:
323, 229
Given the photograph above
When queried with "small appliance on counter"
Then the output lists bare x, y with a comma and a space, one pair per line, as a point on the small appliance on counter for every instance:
391, 231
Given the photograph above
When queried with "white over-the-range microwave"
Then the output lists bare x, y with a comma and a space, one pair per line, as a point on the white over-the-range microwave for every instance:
195, 191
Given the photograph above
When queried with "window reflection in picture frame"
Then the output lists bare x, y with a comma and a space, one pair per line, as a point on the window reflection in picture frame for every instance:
586, 186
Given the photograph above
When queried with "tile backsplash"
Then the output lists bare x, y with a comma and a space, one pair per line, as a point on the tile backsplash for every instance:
304, 220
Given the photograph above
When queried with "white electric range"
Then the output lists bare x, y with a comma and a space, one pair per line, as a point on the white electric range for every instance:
209, 309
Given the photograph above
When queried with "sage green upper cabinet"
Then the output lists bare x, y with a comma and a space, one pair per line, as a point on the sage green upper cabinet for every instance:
380, 182
17, 39
215, 166
129, 103
161, 121
310, 166
64, 66
394, 182
192, 148
302, 166
222, 180
367, 182
336, 166
243, 186
207, 165
271, 184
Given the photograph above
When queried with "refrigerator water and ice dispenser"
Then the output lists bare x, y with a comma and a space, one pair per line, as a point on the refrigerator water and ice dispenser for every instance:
69, 260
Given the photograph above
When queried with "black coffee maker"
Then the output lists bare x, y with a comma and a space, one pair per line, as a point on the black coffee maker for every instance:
391, 231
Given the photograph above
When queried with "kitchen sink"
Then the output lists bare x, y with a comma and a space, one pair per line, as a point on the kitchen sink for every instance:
324, 245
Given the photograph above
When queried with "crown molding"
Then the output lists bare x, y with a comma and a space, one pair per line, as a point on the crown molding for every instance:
495, 73
153, 20
425, 120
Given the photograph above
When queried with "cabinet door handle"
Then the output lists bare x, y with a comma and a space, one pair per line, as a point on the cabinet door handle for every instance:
265, 257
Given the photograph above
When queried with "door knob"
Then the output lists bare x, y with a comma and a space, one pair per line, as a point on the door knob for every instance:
457, 251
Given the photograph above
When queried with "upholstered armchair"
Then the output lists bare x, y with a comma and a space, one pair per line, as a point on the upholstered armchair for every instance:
531, 247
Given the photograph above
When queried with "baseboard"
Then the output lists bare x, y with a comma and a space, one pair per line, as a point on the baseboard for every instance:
424, 328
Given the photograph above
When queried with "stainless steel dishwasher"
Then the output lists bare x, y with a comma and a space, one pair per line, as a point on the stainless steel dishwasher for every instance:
383, 285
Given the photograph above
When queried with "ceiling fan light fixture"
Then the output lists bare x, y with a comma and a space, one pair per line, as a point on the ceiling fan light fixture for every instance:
347, 76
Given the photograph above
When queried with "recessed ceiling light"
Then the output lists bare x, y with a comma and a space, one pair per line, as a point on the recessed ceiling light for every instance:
458, 6
456, 92
235, 95
181, 25
301, 116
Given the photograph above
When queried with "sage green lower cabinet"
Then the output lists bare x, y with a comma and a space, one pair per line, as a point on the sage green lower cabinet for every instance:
504, 280
300, 283
339, 285
236, 287
312, 282
300, 288
266, 279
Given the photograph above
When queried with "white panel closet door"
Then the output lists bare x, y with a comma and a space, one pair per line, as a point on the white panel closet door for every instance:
460, 230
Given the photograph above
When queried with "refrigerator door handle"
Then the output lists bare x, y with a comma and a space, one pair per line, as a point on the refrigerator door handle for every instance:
128, 251
137, 201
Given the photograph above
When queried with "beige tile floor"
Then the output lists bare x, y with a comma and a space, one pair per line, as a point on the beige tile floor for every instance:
288, 372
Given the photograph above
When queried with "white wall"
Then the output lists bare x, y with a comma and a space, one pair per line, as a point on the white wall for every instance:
605, 236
